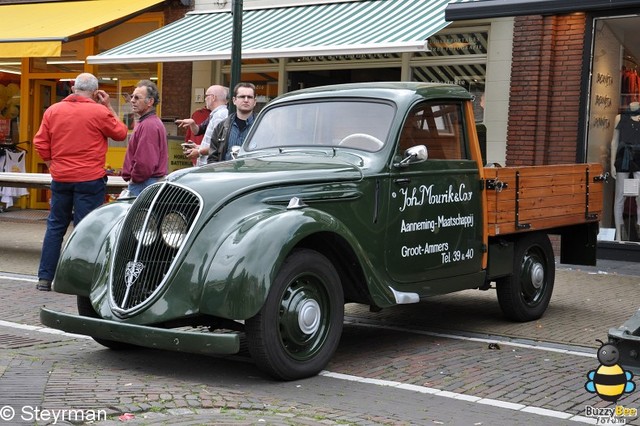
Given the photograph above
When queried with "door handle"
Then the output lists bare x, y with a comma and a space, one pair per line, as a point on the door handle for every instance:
402, 181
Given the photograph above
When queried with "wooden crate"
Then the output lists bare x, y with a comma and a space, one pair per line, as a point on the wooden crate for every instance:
521, 199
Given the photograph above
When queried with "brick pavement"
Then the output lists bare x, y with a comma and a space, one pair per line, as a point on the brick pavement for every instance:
553, 381
586, 303
128, 383
583, 307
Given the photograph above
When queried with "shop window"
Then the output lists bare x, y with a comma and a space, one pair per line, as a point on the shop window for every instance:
9, 107
613, 132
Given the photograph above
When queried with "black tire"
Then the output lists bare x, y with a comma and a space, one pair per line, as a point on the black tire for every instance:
525, 295
85, 308
299, 326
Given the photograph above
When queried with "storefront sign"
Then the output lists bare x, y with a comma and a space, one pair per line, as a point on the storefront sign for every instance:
177, 160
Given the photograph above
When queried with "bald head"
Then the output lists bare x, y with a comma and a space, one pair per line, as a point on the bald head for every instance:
215, 96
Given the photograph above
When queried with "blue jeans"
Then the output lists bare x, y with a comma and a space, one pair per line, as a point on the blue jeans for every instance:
68, 201
135, 188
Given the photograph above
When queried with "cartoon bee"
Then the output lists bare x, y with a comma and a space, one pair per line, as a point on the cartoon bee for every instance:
609, 380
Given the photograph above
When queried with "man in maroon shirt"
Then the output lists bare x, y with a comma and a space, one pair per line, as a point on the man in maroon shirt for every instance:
147, 157
72, 141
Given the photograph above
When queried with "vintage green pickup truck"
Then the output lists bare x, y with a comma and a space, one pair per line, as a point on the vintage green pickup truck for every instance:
371, 193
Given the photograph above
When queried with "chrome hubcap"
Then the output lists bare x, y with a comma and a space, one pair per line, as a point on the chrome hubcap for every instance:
537, 276
309, 316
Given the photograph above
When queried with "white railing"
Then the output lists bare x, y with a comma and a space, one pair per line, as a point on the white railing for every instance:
115, 184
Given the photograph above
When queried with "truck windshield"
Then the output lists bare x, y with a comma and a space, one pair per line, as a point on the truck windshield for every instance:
358, 124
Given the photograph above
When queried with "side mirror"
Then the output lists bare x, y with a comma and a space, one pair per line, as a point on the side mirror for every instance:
413, 155
235, 150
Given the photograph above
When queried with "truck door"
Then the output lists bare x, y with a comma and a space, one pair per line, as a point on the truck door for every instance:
435, 209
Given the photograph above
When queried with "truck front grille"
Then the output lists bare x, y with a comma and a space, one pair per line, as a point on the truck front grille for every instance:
149, 243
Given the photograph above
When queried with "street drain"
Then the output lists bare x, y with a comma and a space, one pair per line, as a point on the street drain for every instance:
9, 341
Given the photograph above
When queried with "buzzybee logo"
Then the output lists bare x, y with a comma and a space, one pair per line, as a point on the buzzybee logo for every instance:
609, 380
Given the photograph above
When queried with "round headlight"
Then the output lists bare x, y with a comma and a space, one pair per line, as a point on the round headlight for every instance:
145, 235
174, 229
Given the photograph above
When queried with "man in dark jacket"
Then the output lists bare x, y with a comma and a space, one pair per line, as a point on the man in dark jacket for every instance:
233, 130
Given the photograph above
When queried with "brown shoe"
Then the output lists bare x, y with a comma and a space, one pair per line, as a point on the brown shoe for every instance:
43, 285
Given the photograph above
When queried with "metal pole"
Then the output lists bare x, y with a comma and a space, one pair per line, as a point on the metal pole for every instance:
236, 47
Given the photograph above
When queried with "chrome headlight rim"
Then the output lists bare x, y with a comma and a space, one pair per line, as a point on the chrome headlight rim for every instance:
145, 231
174, 229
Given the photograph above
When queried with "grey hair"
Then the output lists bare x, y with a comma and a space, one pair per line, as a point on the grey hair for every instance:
152, 90
86, 82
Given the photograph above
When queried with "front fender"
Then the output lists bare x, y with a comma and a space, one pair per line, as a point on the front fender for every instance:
247, 261
84, 256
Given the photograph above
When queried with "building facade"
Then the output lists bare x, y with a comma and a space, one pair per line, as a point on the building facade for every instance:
39, 62
573, 78
287, 45
361, 40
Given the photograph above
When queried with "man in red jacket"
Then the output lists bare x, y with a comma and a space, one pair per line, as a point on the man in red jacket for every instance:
73, 141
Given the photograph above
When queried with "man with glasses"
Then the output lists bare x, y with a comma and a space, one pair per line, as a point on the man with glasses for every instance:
216, 100
147, 157
233, 130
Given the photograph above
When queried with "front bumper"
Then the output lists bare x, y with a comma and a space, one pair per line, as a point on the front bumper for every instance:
143, 335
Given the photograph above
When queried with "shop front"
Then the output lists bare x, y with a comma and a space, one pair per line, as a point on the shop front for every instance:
613, 123
43, 47
339, 42
574, 94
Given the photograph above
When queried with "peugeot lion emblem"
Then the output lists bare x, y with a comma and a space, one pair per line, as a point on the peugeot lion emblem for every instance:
132, 272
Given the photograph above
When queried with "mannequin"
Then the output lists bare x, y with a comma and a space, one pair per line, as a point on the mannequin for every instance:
625, 160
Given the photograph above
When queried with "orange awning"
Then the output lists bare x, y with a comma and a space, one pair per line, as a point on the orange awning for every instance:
39, 29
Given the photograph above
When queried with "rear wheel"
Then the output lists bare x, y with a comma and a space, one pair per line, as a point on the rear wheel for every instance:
85, 308
525, 295
298, 328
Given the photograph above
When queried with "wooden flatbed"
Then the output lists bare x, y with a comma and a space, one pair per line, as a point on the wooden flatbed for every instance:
528, 198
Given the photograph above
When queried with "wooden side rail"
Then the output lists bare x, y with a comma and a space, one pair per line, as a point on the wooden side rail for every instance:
542, 197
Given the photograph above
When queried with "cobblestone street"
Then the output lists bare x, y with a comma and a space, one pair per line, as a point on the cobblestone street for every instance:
442, 345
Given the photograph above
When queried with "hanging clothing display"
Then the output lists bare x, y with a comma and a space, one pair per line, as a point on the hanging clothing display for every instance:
12, 160
630, 86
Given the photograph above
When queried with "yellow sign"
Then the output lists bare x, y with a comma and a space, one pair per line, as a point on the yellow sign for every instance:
177, 160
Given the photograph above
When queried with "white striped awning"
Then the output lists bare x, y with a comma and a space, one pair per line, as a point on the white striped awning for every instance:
357, 27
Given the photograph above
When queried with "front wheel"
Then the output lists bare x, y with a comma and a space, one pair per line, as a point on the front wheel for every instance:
298, 328
525, 294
